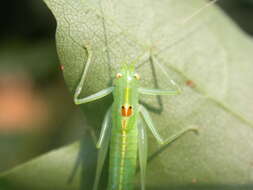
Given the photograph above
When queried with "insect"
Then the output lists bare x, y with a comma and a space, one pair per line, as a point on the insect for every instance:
123, 129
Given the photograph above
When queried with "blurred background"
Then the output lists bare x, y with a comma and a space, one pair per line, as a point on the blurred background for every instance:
36, 110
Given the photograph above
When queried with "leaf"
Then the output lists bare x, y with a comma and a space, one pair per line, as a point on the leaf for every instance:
23, 177
55, 170
209, 57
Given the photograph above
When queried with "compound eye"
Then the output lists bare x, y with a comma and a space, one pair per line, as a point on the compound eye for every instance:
118, 75
137, 76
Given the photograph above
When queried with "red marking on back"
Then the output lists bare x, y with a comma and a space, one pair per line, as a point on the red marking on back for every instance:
190, 83
62, 67
126, 111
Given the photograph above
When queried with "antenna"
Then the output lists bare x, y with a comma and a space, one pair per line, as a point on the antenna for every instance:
190, 17
185, 21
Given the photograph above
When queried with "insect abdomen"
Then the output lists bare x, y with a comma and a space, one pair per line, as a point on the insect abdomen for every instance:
123, 158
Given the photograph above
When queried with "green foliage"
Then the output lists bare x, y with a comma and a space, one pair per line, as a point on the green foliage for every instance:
208, 56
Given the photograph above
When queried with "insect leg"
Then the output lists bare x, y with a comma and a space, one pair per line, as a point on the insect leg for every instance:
102, 145
79, 88
105, 127
158, 92
93, 97
175, 91
179, 134
142, 148
154, 131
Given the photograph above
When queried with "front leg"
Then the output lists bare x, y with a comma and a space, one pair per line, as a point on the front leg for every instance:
159, 92
79, 88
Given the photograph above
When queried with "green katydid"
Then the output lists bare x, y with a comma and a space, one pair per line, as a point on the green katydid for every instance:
122, 126
123, 130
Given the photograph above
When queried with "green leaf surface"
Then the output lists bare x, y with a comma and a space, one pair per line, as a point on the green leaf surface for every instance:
209, 57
